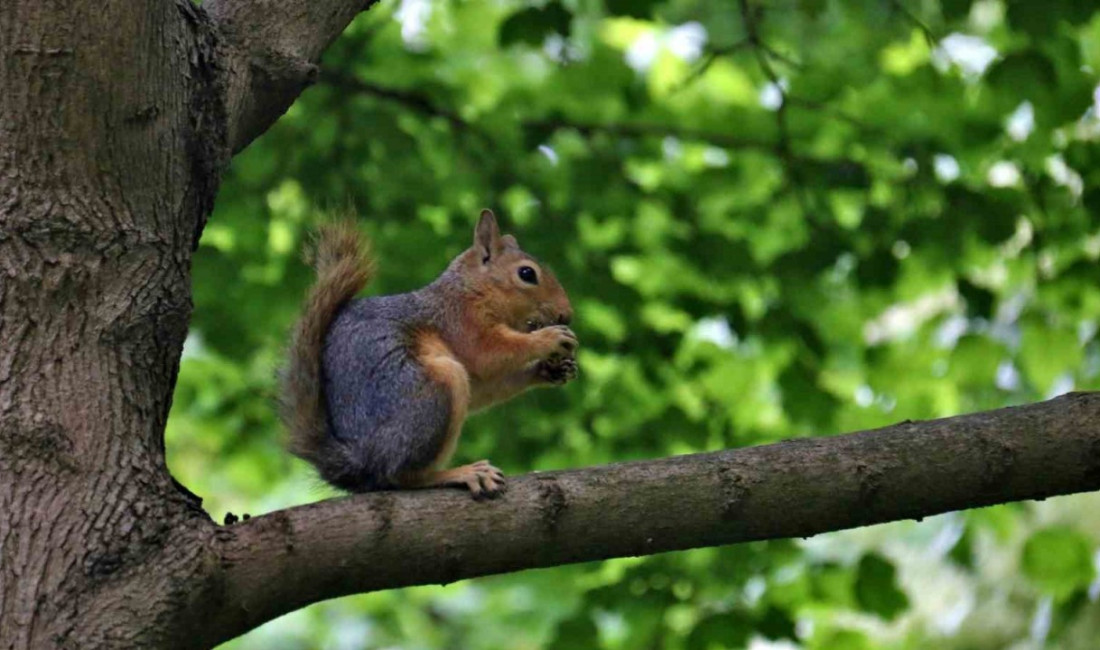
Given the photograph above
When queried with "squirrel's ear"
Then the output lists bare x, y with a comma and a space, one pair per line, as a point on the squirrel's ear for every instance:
487, 236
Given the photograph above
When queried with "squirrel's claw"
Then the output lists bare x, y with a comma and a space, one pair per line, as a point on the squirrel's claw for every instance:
558, 371
483, 480
556, 341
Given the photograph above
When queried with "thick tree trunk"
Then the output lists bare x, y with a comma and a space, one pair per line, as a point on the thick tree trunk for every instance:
116, 119
111, 138
115, 124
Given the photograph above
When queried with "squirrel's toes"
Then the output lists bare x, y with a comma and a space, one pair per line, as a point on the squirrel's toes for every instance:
482, 479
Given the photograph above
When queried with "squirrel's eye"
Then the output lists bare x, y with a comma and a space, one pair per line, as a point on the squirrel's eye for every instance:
528, 275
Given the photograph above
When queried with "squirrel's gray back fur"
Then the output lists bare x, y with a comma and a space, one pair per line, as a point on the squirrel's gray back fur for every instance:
370, 380
350, 376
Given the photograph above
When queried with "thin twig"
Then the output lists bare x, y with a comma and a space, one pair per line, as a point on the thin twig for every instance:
929, 35
708, 60
777, 55
419, 102
811, 105
783, 146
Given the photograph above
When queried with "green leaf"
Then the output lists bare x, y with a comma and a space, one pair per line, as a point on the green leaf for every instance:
843, 640
1058, 560
576, 632
979, 300
1043, 18
1046, 352
776, 624
877, 590
533, 25
962, 553
631, 8
727, 630
955, 9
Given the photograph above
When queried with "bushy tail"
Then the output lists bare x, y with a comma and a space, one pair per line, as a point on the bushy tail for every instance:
344, 266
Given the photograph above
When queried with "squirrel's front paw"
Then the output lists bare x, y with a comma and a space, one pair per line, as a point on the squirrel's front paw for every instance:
558, 341
482, 479
557, 370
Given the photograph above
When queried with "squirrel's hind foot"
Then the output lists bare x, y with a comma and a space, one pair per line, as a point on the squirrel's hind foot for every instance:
480, 478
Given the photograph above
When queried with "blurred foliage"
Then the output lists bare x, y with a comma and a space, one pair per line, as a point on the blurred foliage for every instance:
775, 219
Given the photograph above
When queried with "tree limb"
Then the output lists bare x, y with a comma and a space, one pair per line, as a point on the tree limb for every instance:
271, 50
423, 104
416, 101
279, 562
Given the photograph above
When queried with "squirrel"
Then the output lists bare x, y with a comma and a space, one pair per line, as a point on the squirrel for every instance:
375, 390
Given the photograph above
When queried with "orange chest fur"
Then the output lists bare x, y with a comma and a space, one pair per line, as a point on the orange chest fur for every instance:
486, 392
471, 381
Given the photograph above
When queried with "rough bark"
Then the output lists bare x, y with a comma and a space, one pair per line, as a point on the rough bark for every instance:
114, 130
116, 121
272, 49
282, 561
105, 173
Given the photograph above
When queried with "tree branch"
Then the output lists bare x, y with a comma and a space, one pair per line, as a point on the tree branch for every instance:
423, 104
926, 31
416, 101
587, 129
279, 562
750, 16
271, 49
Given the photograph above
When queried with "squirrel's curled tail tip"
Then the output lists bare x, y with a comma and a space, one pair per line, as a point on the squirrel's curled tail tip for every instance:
344, 266
342, 251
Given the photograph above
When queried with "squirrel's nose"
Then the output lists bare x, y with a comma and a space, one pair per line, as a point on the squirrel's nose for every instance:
565, 318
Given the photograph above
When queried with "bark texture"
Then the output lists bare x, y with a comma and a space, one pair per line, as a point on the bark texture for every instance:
282, 561
106, 171
272, 48
115, 125
116, 121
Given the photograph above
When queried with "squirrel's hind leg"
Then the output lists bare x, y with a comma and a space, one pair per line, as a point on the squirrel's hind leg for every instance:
444, 368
